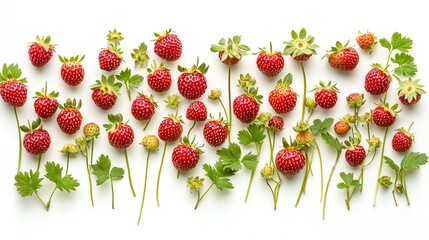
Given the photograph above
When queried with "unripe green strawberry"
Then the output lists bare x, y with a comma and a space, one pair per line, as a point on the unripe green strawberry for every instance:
150, 142
91, 130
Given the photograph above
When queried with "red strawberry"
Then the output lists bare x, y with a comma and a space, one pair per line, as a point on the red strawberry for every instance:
283, 99
215, 132
402, 140
41, 51
326, 95
168, 46
159, 78
366, 41
290, 160
192, 83
276, 123
385, 116
36, 140
196, 111
410, 91
230, 51
270, 63
246, 106
186, 155
342, 57
355, 155
105, 92
143, 107
72, 71
70, 119
377, 81
170, 129
45, 105
301, 47
13, 89
120, 134
110, 58
341, 127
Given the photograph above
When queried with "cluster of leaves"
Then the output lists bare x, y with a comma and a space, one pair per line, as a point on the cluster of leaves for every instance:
404, 61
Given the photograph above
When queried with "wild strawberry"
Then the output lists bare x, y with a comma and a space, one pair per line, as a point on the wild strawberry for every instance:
170, 129
276, 123
326, 95
41, 51
143, 107
196, 111
215, 132
246, 106
105, 92
355, 155
304, 138
290, 160
402, 140
168, 46
91, 130
72, 71
70, 119
270, 63
366, 41
410, 91
341, 127
377, 80
36, 140
150, 142
192, 83
120, 134
230, 51
301, 47
342, 57
45, 105
159, 78
110, 58
13, 89
186, 155
385, 116
355, 100
283, 99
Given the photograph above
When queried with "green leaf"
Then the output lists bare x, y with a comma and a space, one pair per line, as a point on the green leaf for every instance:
53, 172
117, 173
391, 164
406, 65
223, 183
101, 169
319, 127
253, 134
414, 160
356, 184
218, 176
230, 157
68, 183
342, 185
250, 161
347, 178
333, 142
385, 43
28, 183
400, 43
210, 172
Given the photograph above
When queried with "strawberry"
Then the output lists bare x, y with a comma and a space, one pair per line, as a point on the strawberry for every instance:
143, 107
355, 100
45, 105
110, 58
283, 99
230, 51
196, 111
215, 132
366, 41
150, 142
270, 63
70, 119
276, 123
91, 130
120, 134
402, 140
192, 83
168, 46
301, 47
36, 140
159, 78
290, 160
326, 95
72, 71
342, 57
304, 138
385, 116
170, 129
105, 92
13, 89
342, 127
377, 80
410, 91
355, 155
246, 106
41, 51
186, 155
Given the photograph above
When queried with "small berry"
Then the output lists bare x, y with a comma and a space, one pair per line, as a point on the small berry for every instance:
168, 46
41, 51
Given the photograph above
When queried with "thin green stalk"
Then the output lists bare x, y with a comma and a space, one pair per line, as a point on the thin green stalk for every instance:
321, 171
144, 187
404, 185
329, 181
20, 139
68, 162
252, 174
202, 196
304, 181
89, 177
129, 172
305, 92
230, 103
348, 199
92, 150
159, 174
190, 129
394, 190
147, 124
38, 162
41, 201
128, 91
113, 193
380, 168
224, 109
48, 204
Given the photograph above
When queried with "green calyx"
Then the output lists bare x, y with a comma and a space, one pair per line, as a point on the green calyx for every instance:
162, 34
406, 132
323, 86
351, 143
300, 44
115, 49
154, 67
44, 42
285, 82
114, 37
301, 126
263, 119
140, 55
176, 119
230, 48
44, 93
219, 119
107, 85
337, 48
30, 128
195, 183
69, 148
71, 104
253, 92
215, 94
269, 51
116, 120
150, 98
246, 81
11, 72
194, 146
394, 110
173, 101
200, 68
410, 89
291, 145
74, 59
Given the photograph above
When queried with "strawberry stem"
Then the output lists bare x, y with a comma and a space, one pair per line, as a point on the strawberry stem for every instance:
159, 174
147, 124
304, 181
48, 204
92, 150
41, 201
321, 170
230, 104
224, 110
202, 196
379, 168
89, 177
404, 184
39, 160
20, 139
144, 187
258, 153
272, 164
129, 172
305, 91
329, 181
113, 192
190, 129
68, 162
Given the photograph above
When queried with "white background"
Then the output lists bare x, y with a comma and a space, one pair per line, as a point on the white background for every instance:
80, 27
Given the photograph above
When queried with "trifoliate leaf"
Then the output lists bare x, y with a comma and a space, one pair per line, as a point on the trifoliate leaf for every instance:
223, 183
53, 172
319, 127
406, 65
230, 157
391, 164
28, 183
217, 176
400, 43
101, 169
347, 178
341, 185
355, 183
414, 160
68, 183
117, 173
253, 134
250, 161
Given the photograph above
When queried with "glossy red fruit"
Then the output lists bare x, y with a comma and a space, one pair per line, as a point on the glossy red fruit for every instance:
276, 122
196, 111
341, 127
230, 51
377, 81
120, 134
355, 155
36, 140
283, 98
143, 107
228, 60
290, 162
109, 59
170, 129
186, 155
343, 57
366, 41
70, 119
159, 78
326, 95
168, 46
384, 116
41, 51
13, 92
105, 92
215, 132
270, 62
46, 104
192, 83
402, 140
72, 71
